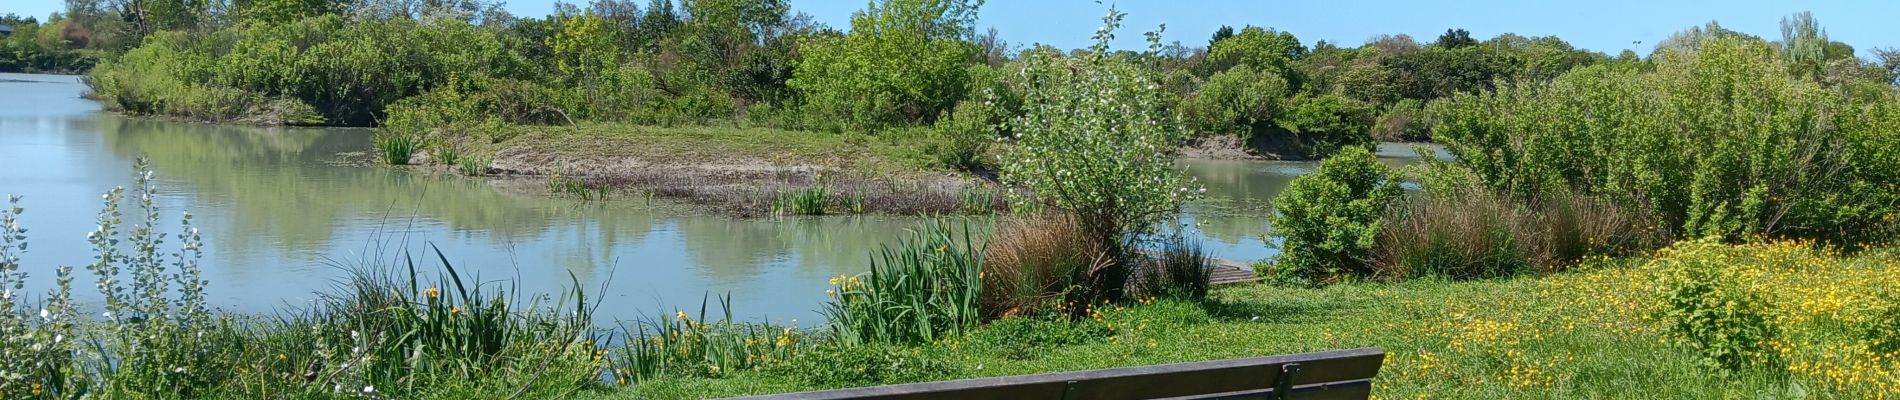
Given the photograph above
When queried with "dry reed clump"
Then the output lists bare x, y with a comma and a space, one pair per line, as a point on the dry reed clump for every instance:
1033, 261
1471, 233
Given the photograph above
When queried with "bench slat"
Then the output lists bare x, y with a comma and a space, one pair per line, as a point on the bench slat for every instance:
1323, 375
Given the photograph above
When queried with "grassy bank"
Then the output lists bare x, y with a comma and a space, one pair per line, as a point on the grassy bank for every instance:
1594, 333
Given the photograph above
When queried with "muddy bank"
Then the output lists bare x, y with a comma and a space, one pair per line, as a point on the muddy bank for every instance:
747, 185
1232, 147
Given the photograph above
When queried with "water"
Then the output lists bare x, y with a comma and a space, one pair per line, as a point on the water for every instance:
279, 214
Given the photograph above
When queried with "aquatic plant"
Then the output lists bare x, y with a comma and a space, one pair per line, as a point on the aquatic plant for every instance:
925, 288
682, 345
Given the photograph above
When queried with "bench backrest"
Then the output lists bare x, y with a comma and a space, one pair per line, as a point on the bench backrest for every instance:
1340, 374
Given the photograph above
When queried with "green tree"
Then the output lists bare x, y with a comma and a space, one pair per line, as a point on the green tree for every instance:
1329, 123
1241, 101
1260, 49
903, 61
1094, 141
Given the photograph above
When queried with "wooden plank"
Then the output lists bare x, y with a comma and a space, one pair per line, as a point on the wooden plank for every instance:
1323, 375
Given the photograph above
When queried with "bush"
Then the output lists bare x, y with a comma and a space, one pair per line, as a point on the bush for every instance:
1719, 141
961, 139
1330, 123
1242, 101
925, 288
1094, 142
902, 62
1405, 121
1726, 324
1882, 333
1329, 219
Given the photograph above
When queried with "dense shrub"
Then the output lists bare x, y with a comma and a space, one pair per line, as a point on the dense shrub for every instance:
347, 71
1719, 141
1242, 100
1406, 120
1326, 124
1329, 219
903, 61
1729, 326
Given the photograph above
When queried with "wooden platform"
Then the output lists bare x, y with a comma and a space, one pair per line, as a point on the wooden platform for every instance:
1228, 272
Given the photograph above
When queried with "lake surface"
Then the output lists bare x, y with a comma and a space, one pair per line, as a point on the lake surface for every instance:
279, 215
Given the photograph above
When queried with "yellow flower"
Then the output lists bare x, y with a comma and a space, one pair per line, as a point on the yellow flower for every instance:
455, 310
831, 293
680, 316
37, 389
431, 292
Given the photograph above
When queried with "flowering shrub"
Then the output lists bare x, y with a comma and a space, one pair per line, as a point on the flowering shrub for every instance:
1094, 142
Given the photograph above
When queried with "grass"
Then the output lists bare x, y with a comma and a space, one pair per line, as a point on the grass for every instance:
395, 149
1592, 332
806, 201
921, 290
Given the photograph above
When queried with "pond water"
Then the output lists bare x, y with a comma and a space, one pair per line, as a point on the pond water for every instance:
279, 216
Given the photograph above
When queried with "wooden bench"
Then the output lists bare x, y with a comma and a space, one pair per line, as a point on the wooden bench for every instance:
1339, 374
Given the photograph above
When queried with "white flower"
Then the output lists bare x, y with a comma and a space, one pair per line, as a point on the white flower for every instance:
369, 389
45, 315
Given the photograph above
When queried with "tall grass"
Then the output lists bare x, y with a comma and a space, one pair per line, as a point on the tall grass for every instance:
569, 184
1180, 268
1035, 261
1472, 233
682, 345
806, 201
927, 287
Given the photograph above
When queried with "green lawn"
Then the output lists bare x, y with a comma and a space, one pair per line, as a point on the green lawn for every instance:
1590, 333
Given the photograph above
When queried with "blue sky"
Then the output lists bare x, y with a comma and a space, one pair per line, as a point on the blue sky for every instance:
1603, 25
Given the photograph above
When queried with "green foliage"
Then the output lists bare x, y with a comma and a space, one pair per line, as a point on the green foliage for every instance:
1242, 100
1728, 326
1329, 219
1330, 123
1026, 338
903, 61
1717, 142
1269, 51
41, 48
680, 345
397, 147
1179, 268
1094, 142
347, 71
1882, 333
850, 366
924, 289
1407, 120
807, 201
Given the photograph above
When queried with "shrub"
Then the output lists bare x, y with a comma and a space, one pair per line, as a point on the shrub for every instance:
1406, 120
1033, 261
903, 61
925, 288
1242, 100
1718, 141
1329, 219
961, 139
1882, 333
1728, 326
1094, 142
1329, 123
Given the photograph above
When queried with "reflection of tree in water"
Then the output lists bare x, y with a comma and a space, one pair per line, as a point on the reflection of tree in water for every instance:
276, 186
726, 249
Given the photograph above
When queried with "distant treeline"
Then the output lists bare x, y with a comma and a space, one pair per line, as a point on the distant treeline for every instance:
901, 64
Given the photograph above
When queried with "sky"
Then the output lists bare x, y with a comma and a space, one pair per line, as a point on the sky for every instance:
1608, 26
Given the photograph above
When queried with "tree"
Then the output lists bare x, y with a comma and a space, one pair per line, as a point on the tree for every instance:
1095, 142
1237, 101
903, 61
1257, 48
1454, 39
1223, 33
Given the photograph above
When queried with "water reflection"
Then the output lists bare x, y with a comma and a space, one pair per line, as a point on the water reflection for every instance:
279, 214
